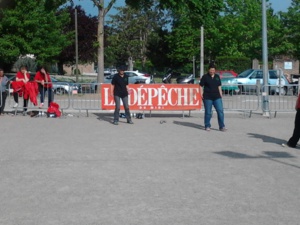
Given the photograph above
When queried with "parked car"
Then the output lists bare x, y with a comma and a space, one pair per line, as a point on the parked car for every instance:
230, 84
134, 78
247, 80
226, 73
65, 86
107, 71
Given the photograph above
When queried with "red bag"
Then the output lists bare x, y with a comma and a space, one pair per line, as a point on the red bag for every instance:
53, 110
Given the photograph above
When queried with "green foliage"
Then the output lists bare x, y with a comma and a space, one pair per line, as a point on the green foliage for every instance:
238, 64
32, 27
146, 67
131, 30
158, 49
183, 42
291, 29
29, 62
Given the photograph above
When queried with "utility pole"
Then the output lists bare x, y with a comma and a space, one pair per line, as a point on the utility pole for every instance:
265, 92
76, 46
194, 68
201, 51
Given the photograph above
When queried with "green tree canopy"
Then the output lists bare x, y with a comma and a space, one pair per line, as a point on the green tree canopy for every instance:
132, 30
291, 28
32, 27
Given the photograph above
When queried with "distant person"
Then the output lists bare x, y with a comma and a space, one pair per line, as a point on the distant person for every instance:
43, 78
211, 92
280, 83
120, 90
24, 77
296, 134
3, 83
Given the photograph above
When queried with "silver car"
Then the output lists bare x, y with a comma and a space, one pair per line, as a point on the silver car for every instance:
61, 87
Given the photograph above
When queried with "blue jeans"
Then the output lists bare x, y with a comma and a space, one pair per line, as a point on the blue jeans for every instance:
117, 108
218, 105
42, 94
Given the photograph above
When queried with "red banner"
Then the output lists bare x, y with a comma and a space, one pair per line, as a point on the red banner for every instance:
157, 97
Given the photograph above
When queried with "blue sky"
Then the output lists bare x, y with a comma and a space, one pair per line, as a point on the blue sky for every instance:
277, 5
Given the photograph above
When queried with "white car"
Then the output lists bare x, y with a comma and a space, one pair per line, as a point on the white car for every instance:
134, 78
146, 78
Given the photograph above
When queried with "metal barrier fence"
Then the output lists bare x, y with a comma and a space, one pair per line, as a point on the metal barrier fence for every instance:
247, 100
16, 100
88, 99
283, 99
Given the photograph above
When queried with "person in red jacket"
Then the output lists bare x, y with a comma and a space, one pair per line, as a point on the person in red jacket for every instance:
23, 77
43, 79
292, 142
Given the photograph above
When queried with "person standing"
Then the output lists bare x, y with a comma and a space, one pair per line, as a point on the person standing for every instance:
120, 90
292, 142
43, 78
211, 92
3, 83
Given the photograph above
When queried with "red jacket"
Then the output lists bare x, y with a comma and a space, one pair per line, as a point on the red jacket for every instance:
27, 90
42, 77
20, 75
298, 102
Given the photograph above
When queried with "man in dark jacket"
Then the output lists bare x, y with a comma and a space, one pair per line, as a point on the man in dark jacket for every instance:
119, 89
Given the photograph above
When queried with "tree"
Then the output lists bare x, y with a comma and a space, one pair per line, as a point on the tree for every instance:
87, 37
238, 31
38, 32
291, 28
186, 18
102, 11
132, 30
158, 50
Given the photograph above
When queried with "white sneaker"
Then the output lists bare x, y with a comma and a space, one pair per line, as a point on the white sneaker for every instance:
41, 105
16, 105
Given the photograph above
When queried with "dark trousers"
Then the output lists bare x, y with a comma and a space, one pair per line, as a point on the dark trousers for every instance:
296, 134
25, 101
2, 101
117, 108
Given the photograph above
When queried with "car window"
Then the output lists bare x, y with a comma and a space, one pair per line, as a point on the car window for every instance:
246, 73
272, 74
257, 75
130, 74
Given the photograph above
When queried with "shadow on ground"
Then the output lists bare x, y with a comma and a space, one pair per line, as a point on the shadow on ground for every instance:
188, 124
269, 155
266, 138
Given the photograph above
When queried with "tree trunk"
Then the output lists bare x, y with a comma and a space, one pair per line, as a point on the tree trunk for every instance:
100, 39
130, 64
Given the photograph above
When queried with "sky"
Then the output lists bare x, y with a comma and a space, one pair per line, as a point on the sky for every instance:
87, 5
